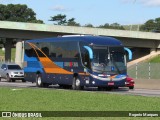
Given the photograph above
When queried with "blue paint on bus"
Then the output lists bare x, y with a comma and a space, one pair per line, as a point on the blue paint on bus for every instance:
93, 61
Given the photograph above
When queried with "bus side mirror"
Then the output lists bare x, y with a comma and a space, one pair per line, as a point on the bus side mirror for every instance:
89, 51
129, 53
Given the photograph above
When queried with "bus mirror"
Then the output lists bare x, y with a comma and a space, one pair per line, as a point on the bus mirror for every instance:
90, 51
129, 53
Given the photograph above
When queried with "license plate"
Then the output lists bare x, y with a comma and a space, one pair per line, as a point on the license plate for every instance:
111, 83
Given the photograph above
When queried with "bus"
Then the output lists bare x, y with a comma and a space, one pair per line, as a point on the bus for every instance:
76, 61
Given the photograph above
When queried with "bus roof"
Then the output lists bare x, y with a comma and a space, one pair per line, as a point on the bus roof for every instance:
95, 40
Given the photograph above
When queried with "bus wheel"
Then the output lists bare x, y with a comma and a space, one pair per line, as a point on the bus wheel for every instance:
76, 84
39, 81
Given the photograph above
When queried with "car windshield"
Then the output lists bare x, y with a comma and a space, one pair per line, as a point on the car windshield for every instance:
14, 67
109, 59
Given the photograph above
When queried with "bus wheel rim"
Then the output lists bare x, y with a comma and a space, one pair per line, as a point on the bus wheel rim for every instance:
39, 81
77, 82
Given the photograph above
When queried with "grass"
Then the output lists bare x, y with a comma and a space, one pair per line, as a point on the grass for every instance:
155, 59
143, 69
27, 99
2, 53
13, 50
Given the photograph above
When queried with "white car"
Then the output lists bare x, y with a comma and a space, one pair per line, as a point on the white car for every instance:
11, 72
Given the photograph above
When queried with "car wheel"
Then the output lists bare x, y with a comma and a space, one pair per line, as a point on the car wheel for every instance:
23, 80
131, 87
39, 81
8, 78
76, 84
13, 80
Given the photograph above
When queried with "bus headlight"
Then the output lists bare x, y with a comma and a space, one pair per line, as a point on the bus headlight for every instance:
87, 80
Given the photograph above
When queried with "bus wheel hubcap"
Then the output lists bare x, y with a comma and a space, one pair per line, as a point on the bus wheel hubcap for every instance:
39, 81
77, 82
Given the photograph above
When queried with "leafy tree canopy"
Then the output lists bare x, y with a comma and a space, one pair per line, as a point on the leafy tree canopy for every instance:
151, 25
18, 13
88, 25
71, 22
60, 19
112, 26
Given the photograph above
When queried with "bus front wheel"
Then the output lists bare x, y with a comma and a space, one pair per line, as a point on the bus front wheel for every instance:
76, 84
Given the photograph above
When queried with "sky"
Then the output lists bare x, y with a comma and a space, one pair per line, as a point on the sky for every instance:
95, 12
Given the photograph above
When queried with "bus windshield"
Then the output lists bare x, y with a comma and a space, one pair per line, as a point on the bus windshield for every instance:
110, 60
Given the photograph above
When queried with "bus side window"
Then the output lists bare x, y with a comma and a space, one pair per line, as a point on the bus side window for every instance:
85, 58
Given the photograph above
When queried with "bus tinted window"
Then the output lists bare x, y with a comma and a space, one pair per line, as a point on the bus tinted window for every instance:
29, 51
63, 49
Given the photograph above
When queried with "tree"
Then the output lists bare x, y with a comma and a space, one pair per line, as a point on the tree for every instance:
88, 25
157, 23
116, 26
152, 25
71, 22
106, 25
112, 26
18, 13
60, 19
148, 26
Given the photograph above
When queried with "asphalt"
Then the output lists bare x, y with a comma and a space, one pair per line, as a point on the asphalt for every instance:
147, 84
149, 88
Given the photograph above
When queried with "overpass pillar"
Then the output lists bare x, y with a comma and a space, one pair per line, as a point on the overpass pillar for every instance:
8, 46
152, 50
18, 54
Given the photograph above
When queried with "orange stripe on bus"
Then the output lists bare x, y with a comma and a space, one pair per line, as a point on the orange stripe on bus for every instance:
48, 65
83, 73
51, 67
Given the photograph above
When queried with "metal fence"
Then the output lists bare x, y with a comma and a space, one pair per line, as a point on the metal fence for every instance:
145, 71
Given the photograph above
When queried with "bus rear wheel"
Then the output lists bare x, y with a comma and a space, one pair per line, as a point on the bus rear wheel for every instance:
76, 84
39, 82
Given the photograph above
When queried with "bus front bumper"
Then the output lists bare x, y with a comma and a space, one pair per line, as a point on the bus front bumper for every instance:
105, 82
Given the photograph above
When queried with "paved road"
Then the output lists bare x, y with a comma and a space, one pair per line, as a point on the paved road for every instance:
124, 91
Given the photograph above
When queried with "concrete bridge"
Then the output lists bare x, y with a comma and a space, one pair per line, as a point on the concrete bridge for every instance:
17, 31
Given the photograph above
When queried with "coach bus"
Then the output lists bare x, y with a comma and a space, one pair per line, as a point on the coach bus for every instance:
76, 61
